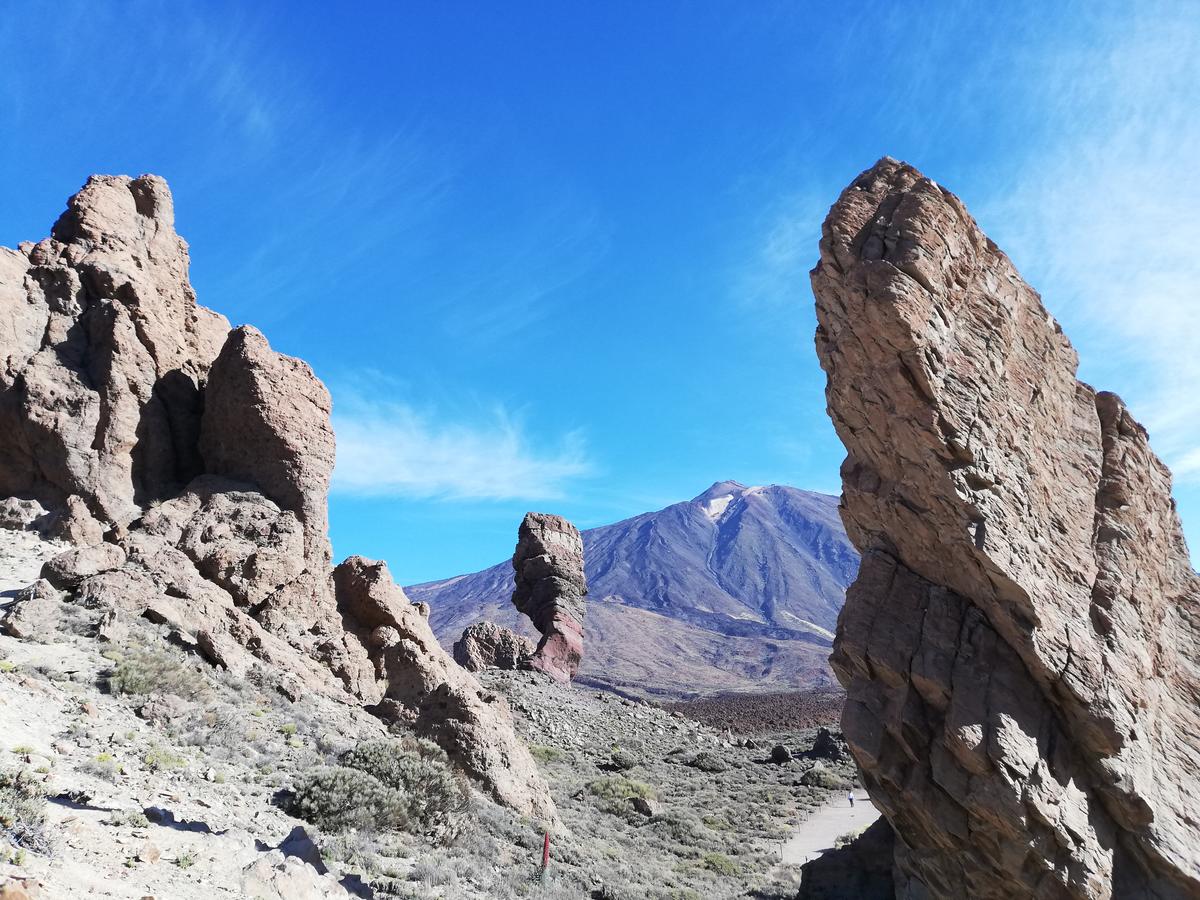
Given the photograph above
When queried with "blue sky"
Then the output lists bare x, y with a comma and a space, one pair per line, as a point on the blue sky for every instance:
554, 255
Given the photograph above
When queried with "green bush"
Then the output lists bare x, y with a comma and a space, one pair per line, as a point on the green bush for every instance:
23, 810
336, 798
435, 796
615, 793
720, 863
707, 761
545, 754
142, 670
624, 760
159, 760
820, 777
386, 785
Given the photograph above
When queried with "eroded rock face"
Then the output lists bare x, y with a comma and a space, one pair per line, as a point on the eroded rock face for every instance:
550, 587
190, 466
486, 645
103, 353
422, 685
266, 421
1020, 650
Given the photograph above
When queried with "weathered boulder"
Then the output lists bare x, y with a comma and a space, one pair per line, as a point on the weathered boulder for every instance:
18, 513
1021, 650
421, 685
103, 354
34, 612
550, 588
486, 645
75, 523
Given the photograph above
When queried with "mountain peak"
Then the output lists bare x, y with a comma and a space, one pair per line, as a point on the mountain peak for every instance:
718, 490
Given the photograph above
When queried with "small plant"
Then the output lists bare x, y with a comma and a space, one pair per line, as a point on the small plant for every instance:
544, 754
6, 666
23, 810
186, 859
102, 766
436, 797
849, 837
385, 785
623, 760
23, 750
142, 670
707, 761
615, 793
158, 759
287, 729
719, 863
338, 798
127, 818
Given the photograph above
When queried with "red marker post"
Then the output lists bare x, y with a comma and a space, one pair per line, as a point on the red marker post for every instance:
546, 852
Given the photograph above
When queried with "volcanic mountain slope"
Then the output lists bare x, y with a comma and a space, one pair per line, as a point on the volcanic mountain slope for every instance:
738, 589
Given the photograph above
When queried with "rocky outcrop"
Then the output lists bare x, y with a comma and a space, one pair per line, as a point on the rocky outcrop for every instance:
550, 587
486, 645
190, 466
423, 687
1021, 650
103, 354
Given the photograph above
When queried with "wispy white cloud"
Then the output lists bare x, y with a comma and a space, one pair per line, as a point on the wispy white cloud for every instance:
389, 448
1101, 213
775, 275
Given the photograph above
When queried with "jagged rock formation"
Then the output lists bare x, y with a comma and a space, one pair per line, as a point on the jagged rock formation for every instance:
191, 466
486, 645
1020, 649
105, 352
425, 688
549, 589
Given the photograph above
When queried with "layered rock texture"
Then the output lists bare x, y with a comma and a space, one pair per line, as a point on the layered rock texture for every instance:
486, 645
1021, 648
549, 589
190, 463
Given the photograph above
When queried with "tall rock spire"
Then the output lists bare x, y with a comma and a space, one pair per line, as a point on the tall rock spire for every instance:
1021, 650
549, 588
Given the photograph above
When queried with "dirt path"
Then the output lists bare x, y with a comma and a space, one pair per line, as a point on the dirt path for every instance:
817, 833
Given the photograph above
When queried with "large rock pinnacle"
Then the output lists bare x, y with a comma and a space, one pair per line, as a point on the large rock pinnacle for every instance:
1021, 650
549, 588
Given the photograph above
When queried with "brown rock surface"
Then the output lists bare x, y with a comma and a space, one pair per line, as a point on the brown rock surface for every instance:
486, 645
1020, 650
420, 684
191, 466
550, 588
266, 421
105, 352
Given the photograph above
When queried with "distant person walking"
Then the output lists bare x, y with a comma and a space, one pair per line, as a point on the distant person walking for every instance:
850, 797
